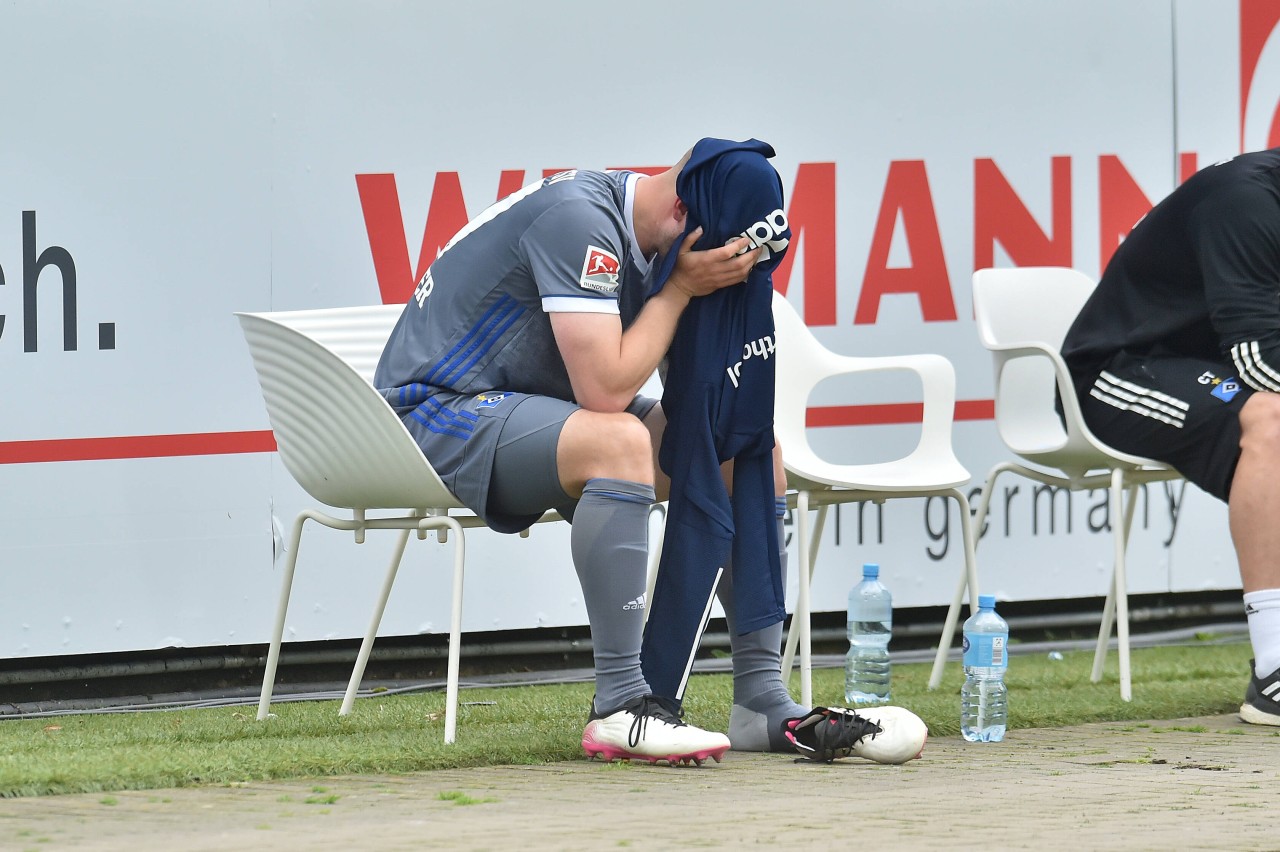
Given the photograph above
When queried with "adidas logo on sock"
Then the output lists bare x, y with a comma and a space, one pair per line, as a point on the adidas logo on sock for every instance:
637, 603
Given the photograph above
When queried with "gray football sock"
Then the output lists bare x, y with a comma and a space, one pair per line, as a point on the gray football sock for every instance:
610, 553
761, 702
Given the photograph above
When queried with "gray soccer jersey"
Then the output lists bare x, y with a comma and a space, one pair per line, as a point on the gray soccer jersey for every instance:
475, 339
478, 319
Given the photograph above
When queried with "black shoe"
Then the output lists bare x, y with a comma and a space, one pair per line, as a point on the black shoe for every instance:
1262, 699
884, 734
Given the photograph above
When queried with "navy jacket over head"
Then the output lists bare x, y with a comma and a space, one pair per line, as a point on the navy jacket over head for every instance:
718, 399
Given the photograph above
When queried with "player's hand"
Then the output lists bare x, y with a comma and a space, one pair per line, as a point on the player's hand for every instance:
698, 273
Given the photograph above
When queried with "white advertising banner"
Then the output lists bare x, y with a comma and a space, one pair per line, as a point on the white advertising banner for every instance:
165, 165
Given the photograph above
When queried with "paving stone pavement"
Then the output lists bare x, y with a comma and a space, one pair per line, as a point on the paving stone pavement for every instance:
1203, 783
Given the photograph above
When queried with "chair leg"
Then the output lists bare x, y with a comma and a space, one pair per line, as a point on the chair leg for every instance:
808, 559
1104, 630
455, 627
803, 605
655, 554
984, 502
282, 609
1122, 592
805, 560
968, 580
968, 538
362, 659
1123, 499
972, 532
443, 525
948, 633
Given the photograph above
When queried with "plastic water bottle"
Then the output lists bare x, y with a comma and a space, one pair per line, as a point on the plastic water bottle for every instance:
984, 705
866, 666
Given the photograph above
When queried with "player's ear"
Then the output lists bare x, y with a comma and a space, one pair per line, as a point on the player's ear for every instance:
681, 210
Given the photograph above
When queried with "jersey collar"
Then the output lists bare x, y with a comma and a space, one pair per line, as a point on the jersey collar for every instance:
629, 213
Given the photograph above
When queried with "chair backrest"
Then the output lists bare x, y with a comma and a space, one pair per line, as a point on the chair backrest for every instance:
1023, 315
336, 435
803, 362
795, 348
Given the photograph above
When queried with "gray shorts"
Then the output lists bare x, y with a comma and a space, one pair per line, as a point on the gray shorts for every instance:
496, 451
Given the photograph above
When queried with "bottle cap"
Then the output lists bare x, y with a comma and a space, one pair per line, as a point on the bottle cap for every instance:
986, 601
870, 570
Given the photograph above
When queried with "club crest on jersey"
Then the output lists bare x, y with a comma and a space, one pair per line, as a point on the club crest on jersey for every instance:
599, 271
1226, 389
1223, 389
490, 399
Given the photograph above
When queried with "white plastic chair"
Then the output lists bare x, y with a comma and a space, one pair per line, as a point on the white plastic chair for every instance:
347, 448
931, 469
1023, 315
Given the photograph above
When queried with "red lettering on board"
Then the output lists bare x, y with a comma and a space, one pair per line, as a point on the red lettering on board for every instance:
907, 197
811, 213
1000, 216
1121, 203
384, 222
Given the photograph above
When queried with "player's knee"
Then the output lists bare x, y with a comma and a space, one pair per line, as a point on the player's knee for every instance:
633, 440
1260, 423
626, 450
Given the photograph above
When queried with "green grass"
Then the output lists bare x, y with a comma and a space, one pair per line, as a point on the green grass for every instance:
540, 724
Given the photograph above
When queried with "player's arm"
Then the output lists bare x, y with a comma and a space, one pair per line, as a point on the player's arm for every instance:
607, 366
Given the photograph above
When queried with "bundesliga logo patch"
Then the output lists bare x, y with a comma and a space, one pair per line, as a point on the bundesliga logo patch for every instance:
600, 271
